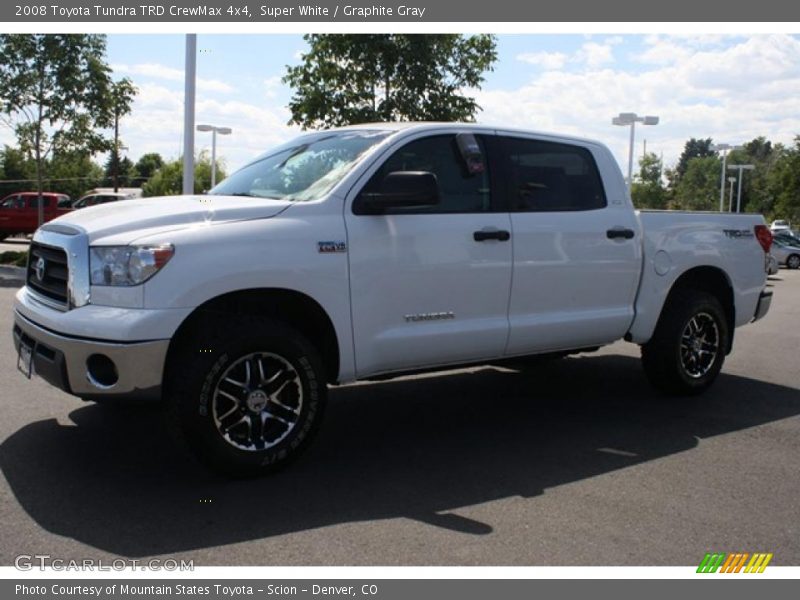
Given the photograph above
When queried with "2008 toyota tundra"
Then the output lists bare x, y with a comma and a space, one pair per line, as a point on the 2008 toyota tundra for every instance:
372, 250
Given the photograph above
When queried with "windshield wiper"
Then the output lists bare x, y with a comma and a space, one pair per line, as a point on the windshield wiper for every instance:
246, 195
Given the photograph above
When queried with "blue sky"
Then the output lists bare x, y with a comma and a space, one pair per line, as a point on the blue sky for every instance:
730, 88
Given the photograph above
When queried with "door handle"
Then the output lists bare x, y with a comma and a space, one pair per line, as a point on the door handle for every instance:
620, 233
491, 234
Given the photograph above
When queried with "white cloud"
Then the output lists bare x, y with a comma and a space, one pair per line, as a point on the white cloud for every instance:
546, 60
731, 91
156, 125
158, 71
272, 85
594, 55
675, 48
590, 54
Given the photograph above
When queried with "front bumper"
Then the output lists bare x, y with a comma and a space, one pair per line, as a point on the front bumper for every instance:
764, 302
63, 361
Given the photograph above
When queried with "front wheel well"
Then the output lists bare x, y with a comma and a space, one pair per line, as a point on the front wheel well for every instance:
713, 281
293, 308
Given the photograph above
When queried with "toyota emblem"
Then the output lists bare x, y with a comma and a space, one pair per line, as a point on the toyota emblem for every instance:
38, 268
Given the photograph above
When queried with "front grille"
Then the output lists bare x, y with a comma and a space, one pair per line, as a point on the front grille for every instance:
48, 272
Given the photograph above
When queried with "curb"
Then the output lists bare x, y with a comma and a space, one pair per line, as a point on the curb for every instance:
11, 274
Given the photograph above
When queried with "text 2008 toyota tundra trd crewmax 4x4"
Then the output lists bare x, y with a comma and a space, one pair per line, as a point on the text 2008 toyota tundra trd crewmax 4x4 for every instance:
372, 250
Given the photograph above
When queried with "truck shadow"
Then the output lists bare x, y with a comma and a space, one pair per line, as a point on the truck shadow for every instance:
415, 448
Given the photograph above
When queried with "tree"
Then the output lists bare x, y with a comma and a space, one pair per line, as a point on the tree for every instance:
56, 92
73, 172
122, 93
698, 189
168, 180
784, 181
119, 172
647, 190
347, 79
757, 196
693, 148
147, 165
15, 170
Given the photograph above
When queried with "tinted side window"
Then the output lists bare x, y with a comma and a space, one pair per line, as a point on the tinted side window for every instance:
13, 202
461, 191
34, 201
547, 176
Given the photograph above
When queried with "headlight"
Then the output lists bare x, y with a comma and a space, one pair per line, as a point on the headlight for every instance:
127, 265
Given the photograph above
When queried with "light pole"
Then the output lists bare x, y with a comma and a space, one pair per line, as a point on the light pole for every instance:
118, 146
631, 119
739, 195
725, 149
188, 112
732, 180
214, 131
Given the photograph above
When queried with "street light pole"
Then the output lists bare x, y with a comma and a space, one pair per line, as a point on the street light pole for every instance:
732, 180
630, 155
214, 131
725, 150
188, 113
631, 119
214, 157
741, 168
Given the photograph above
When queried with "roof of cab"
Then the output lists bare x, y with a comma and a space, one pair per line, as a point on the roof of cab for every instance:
422, 125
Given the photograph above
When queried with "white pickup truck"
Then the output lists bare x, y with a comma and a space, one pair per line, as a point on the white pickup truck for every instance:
372, 251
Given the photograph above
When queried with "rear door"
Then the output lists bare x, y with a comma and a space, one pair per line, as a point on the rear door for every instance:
430, 285
576, 248
32, 211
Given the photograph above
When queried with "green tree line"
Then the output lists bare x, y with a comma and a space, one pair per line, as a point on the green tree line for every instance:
75, 173
771, 188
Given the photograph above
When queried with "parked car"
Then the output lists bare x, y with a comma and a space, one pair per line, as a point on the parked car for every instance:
370, 252
779, 225
100, 198
786, 254
19, 212
787, 236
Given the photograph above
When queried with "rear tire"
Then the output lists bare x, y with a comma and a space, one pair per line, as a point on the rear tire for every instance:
246, 396
793, 261
688, 347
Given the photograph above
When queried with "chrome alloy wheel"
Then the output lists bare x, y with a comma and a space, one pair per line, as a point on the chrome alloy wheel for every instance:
699, 345
257, 401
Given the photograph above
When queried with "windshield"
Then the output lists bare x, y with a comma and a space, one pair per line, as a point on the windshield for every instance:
787, 239
304, 169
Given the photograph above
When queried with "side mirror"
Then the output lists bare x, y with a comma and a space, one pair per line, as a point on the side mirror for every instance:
401, 189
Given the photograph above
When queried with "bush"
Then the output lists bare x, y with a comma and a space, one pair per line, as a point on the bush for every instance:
12, 257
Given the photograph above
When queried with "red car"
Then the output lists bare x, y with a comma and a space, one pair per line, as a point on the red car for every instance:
19, 212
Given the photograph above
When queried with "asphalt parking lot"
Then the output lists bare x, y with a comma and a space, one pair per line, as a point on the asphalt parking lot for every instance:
578, 462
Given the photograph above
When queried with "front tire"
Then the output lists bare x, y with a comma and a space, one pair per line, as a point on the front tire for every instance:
793, 261
688, 347
246, 396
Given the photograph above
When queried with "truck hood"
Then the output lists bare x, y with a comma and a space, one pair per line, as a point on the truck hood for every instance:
127, 220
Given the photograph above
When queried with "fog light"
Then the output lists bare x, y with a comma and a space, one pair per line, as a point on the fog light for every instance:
101, 371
